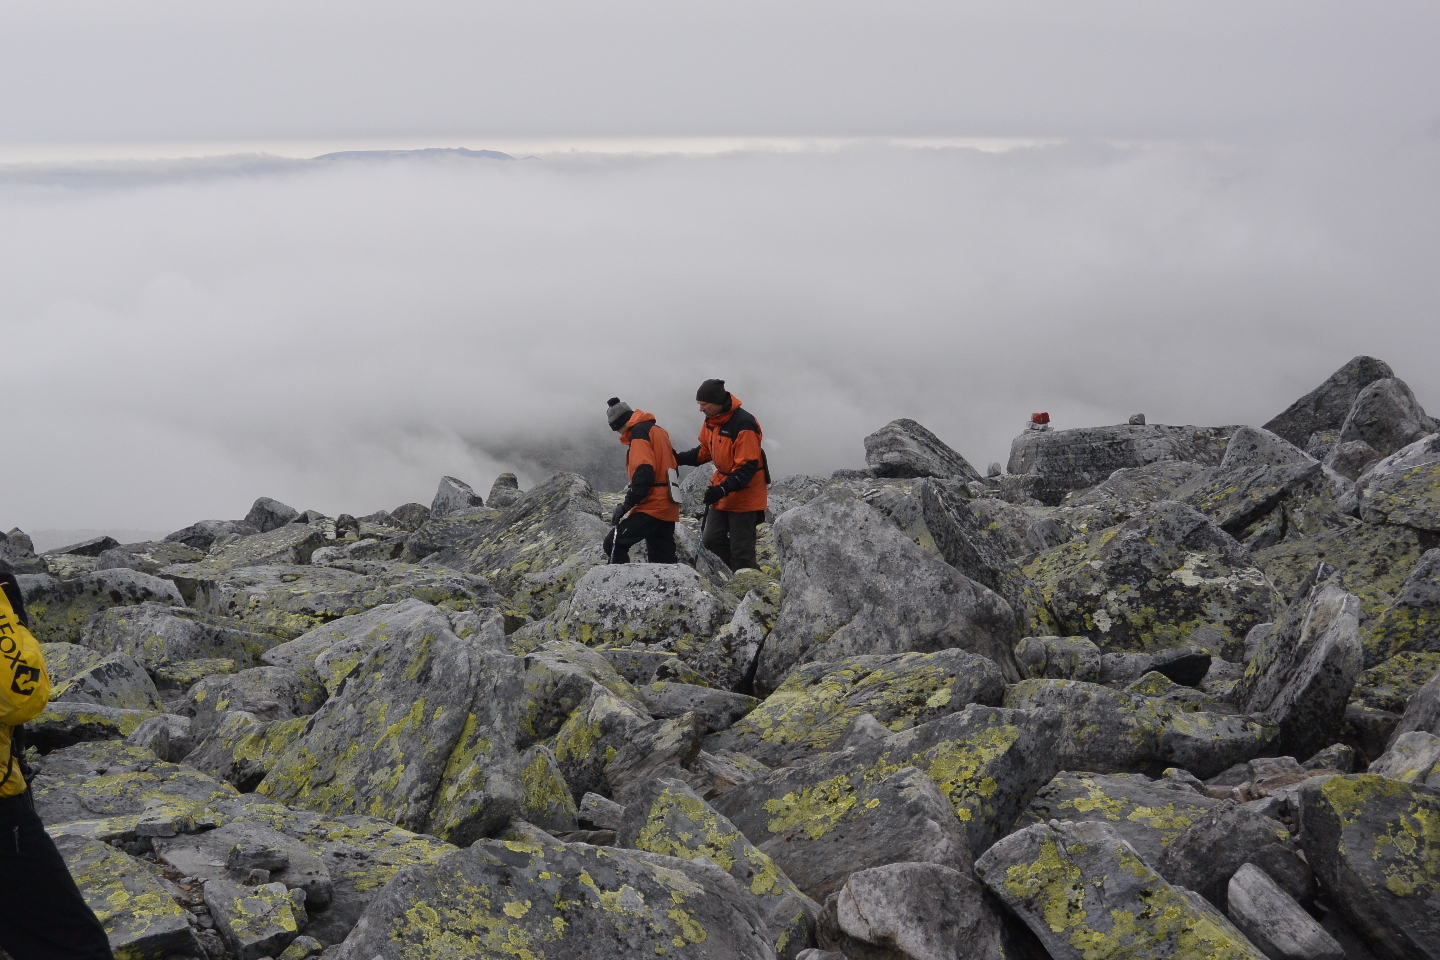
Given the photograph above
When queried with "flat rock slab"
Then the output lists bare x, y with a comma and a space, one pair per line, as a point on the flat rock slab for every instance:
59, 609
140, 917
1404, 488
555, 901
817, 703
255, 922
1059, 461
1276, 923
1085, 893
159, 635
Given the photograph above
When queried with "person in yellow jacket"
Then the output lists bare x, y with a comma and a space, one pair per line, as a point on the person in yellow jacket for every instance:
648, 512
42, 914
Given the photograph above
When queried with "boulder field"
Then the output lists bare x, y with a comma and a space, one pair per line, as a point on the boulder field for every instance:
1153, 692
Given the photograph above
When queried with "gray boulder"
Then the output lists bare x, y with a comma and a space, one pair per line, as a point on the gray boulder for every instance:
1060, 461
59, 609
1386, 416
912, 911
975, 545
1124, 494
1411, 623
293, 543
236, 849
202, 536
158, 634
1302, 677
147, 557
1205, 855
131, 899
852, 583
563, 900
1423, 713
1414, 757
1059, 658
267, 514
1377, 865
504, 491
692, 489
729, 659
1404, 488
254, 921
1252, 448
1326, 407
267, 693
453, 498
1111, 731
903, 448
118, 680
1085, 892
717, 709
1274, 922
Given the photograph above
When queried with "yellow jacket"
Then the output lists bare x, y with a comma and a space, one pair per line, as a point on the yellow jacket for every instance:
24, 689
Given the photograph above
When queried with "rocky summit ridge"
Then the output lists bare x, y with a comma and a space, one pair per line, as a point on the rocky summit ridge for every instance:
1154, 691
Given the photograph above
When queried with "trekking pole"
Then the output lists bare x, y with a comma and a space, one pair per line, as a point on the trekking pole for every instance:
615, 534
700, 539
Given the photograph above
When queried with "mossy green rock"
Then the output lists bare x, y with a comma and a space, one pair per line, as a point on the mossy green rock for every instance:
1412, 623
1375, 846
254, 922
159, 635
1414, 758
141, 919
987, 762
59, 609
65, 660
539, 899
288, 601
418, 736
134, 794
668, 818
1166, 578
63, 724
1086, 894
728, 659
1390, 685
545, 798
1146, 815
816, 704
241, 748
1110, 731
1404, 488
268, 693
852, 583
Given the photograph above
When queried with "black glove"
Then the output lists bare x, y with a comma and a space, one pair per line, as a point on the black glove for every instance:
713, 495
618, 514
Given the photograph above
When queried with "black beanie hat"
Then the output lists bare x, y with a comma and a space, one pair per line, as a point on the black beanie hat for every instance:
712, 391
617, 412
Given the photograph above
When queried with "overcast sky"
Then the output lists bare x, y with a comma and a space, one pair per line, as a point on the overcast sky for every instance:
1201, 210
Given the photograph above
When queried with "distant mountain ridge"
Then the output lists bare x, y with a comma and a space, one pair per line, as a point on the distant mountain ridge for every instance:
405, 154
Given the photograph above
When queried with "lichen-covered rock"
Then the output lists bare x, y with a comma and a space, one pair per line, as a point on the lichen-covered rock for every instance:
1148, 815
148, 556
1326, 407
230, 852
1386, 416
1274, 922
1302, 676
1124, 494
65, 660
1238, 499
1060, 461
141, 919
1059, 658
1166, 578
454, 497
202, 536
1404, 488
544, 900
267, 693
159, 636
1111, 731
59, 609
268, 514
1411, 624
1423, 713
289, 601
290, 544
1414, 757
1389, 685
255, 922
729, 659
241, 749
987, 762
1085, 893
668, 818
63, 724
415, 736
1375, 847
1204, 856
118, 680
912, 911
852, 583
663, 606
904, 448
815, 706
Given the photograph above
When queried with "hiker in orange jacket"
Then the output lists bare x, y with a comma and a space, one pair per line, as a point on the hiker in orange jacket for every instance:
648, 512
42, 914
738, 492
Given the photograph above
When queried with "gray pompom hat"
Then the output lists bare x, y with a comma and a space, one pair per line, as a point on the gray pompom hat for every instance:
617, 412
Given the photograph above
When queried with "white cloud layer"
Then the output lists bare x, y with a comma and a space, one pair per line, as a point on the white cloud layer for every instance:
178, 339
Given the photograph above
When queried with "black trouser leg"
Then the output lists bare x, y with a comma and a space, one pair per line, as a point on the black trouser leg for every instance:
716, 536
659, 537
42, 915
660, 543
742, 538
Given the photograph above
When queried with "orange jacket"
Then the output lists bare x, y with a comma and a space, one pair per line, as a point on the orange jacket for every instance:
648, 459
731, 440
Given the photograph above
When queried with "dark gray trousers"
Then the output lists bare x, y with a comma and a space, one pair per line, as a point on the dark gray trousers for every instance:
730, 535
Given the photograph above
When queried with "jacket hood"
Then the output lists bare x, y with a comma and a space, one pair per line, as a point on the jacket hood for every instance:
636, 418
